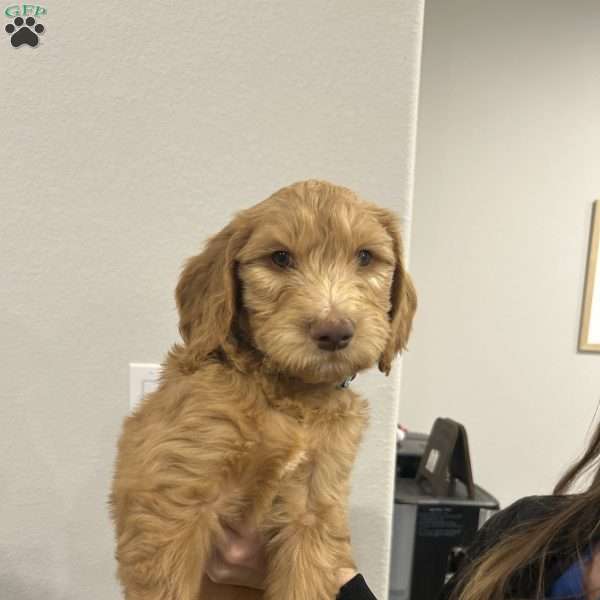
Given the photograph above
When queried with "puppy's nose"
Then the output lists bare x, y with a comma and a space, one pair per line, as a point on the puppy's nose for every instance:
332, 334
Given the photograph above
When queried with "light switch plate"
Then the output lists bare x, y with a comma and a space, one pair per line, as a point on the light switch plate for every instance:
143, 379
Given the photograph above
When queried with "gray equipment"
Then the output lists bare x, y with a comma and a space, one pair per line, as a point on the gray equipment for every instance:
430, 531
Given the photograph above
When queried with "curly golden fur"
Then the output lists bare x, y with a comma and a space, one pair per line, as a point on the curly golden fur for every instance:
249, 421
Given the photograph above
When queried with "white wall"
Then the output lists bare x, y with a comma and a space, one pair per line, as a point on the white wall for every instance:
129, 134
507, 170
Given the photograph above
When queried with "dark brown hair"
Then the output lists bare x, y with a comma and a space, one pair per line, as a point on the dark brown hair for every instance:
569, 529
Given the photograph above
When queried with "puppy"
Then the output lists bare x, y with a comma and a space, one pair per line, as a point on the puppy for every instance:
253, 420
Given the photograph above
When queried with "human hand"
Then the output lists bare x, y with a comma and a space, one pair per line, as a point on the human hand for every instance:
345, 575
239, 558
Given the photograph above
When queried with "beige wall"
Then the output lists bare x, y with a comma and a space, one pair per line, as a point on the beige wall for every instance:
131, 133
507, 170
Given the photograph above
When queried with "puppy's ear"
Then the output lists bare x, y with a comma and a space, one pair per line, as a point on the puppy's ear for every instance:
403, 299
206, 294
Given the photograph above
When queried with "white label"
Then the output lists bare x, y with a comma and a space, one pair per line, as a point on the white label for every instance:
432, 460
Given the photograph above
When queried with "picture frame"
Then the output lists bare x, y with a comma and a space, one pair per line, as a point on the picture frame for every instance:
589, 336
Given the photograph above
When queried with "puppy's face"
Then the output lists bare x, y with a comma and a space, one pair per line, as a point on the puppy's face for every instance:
316, 280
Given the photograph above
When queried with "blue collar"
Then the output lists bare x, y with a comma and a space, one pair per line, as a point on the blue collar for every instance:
346, 383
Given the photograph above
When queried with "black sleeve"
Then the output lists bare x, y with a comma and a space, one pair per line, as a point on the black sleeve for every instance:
356, 589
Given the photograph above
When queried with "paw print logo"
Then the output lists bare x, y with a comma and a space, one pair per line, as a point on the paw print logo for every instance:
24, 32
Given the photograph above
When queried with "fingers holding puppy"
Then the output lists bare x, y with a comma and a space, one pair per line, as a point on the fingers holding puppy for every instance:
239, 558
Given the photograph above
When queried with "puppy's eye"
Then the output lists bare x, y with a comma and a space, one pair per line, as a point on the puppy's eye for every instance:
282, 259
364, 257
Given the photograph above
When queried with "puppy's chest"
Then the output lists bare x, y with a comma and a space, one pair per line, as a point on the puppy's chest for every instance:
322, 443
303, 457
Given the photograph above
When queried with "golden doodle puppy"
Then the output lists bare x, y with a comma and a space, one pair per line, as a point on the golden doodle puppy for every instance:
253, 421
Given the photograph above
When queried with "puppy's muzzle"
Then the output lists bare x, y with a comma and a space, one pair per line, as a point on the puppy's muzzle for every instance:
332, 334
